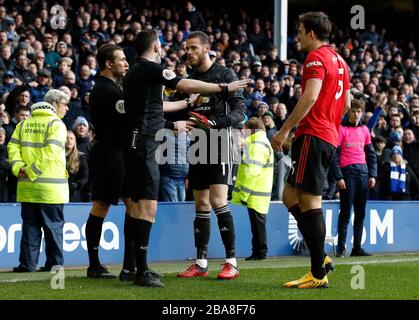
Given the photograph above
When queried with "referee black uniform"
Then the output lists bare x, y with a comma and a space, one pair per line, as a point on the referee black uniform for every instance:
143, 88
109, 119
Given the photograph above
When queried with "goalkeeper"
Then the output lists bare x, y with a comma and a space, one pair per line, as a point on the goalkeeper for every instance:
210, 180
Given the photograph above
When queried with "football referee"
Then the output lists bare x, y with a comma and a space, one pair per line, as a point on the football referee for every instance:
143, 86
107, 165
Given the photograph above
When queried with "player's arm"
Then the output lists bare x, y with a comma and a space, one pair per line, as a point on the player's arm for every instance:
304, 104
196, 86
173, 106
236, 103
347, 101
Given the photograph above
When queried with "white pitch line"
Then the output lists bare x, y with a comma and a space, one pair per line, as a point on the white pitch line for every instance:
267, 266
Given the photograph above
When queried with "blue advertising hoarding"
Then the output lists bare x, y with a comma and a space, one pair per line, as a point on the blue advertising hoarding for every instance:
389, 227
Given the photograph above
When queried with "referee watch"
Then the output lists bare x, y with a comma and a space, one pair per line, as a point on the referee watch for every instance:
224, 88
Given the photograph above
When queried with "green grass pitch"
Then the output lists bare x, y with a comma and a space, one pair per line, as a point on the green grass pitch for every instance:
385, 277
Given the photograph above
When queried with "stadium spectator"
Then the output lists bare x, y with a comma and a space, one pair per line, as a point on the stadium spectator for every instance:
397, 181
40, 183
270, 128
80, 129
5, 167
355, 170
253, 186
77, 167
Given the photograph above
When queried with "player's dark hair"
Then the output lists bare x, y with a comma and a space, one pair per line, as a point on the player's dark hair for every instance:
202, 36
106, 53
144, 40
358, 104
318, 22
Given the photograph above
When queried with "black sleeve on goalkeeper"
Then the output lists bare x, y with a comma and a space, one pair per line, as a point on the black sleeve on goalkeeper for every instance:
235, 102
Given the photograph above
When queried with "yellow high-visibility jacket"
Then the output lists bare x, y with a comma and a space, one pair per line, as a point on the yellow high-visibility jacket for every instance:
253, 186
38, 144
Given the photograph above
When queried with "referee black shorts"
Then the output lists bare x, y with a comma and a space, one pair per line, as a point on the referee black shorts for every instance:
311, 158
201, 176
107, 172
143, 174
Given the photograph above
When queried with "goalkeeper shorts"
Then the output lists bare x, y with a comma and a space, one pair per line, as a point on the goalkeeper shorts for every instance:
201, 176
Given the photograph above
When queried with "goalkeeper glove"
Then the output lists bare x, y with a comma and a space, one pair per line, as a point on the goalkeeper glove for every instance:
200, 120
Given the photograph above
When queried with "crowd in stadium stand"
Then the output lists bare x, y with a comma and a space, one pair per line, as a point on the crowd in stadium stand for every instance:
35, 57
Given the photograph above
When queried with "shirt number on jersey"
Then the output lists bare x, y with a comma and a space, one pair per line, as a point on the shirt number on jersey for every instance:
340, 85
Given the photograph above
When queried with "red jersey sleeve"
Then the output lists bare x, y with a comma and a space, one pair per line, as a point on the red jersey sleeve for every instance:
314, 67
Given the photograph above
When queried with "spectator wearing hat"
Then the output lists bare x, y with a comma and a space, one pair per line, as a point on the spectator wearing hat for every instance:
80, 129
397, 181
11, 30
19, 96
62, 49
236, 66
261, 108
51, 56
248, 92
8, 83
270, 128
212, 54
256, 68
256, 99
40, 88
22, 48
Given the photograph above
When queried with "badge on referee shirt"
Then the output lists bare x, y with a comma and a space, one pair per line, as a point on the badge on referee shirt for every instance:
119, 106
168, 74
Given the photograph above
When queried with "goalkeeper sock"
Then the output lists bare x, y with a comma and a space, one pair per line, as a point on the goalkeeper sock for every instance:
226, 227
93, 234
142, 236
202, 228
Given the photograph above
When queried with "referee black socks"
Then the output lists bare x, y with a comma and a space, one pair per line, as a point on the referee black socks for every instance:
93, 233
129, 251
226, 227
141, 230
202, 227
